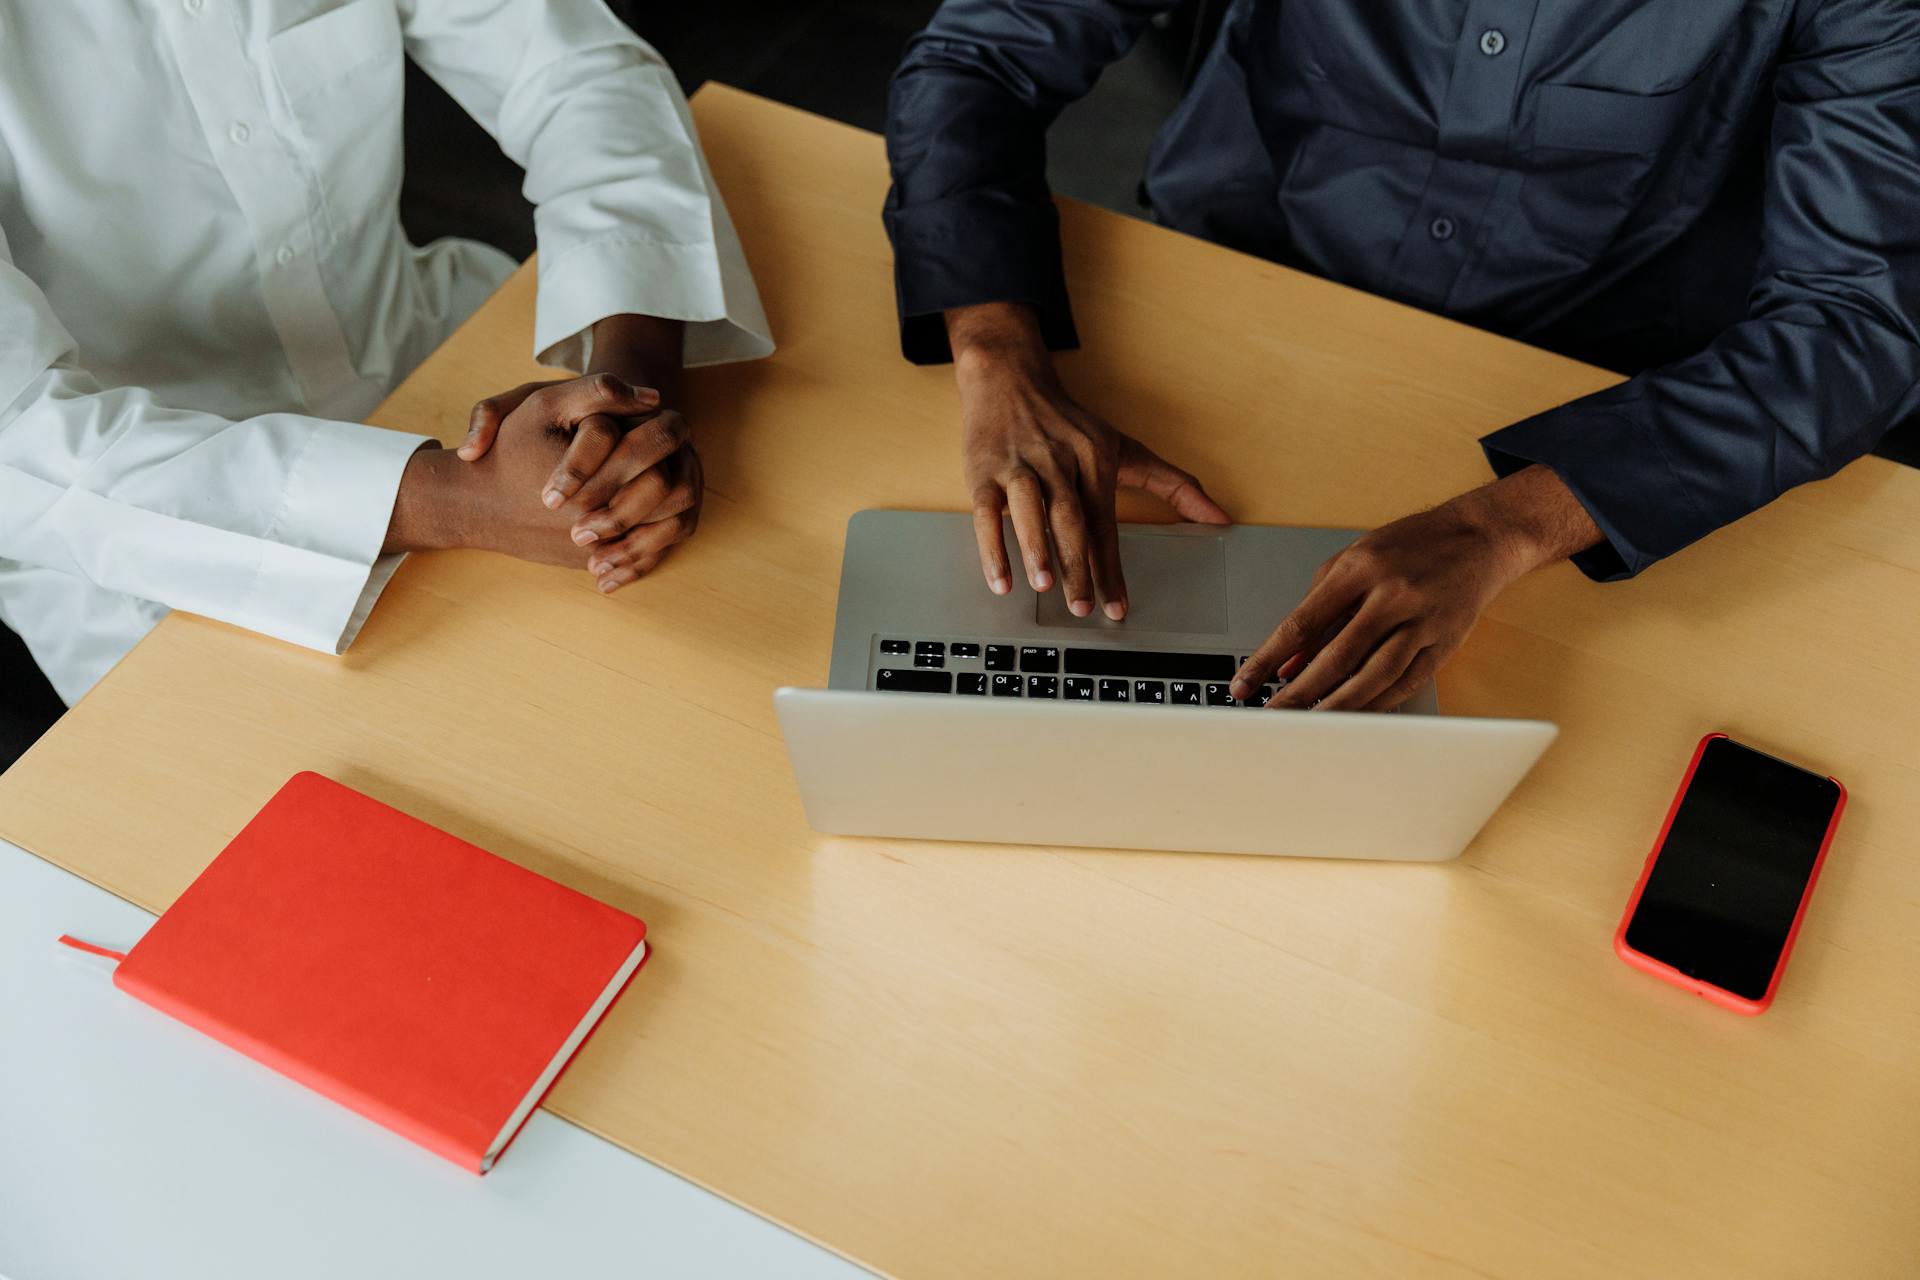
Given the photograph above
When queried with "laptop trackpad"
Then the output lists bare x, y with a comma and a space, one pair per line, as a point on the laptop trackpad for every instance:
1174, 583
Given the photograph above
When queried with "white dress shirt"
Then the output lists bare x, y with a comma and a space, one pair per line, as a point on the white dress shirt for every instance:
204, 283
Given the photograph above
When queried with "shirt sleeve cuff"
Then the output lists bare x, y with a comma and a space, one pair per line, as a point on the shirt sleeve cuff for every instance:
702, 284
978, 246
1617, 470
321, 567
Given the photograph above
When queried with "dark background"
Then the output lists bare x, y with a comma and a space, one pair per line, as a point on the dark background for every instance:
832, 57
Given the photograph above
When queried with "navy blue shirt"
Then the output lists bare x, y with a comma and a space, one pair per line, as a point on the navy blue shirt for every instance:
1720, 196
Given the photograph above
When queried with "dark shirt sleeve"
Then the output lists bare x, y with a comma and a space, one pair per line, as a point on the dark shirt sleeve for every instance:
1828, 357
969, 213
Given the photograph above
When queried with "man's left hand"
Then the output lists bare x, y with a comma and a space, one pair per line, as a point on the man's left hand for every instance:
1384, 613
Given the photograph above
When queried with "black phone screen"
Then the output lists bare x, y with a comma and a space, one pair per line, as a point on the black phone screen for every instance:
1730, 876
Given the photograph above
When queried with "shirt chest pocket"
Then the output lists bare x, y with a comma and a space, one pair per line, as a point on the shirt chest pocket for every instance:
1608, 121
1603, 160
342, 73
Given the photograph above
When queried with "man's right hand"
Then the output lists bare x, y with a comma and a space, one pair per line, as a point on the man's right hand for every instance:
1030, 450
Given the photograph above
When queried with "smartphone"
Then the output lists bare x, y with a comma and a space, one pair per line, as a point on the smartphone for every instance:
1723, 891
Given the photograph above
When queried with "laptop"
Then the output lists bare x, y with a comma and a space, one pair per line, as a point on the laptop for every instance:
954, 714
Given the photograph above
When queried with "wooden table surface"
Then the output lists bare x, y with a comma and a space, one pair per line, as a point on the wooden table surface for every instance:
953, 1061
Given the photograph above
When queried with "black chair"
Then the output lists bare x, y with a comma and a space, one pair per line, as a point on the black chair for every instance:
28, 704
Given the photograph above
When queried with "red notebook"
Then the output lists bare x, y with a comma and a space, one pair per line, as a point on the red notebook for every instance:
424, 982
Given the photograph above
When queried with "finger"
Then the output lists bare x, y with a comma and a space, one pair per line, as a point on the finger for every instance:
645, 542
593, 443
1376, 675
1142, 468
653, 495
651, 441
1339, 657
625, 509
620, 471
1292, 667
988, 502
1028, 505
1298, 631
569, 402
1411, 681
1070, 544
1103, 531
647, 444
483, 424
614, 507
616, 578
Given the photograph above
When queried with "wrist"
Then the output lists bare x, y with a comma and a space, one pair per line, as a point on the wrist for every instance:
998, 339
429, 507
1531, 518
643, 351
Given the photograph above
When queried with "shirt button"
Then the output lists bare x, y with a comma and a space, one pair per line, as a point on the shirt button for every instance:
240, 133
284, 255
1492, 41
1441, 228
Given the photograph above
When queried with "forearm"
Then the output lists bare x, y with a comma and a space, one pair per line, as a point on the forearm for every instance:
969, 214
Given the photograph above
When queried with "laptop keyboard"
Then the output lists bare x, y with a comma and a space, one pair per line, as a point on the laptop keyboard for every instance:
1066, 673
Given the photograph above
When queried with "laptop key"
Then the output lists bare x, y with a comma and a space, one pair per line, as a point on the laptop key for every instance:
970, 682
934, 647
902, 680
999, 657
929, 660
1079, 689
1113, 691
1005, 686
1219, 696
1150, 663
895, 646
1043, 686
1259, 699
1186, 693
964, 649
1151, 692
1039, 658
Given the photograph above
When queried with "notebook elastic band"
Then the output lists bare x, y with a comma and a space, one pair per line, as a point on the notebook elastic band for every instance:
88, 947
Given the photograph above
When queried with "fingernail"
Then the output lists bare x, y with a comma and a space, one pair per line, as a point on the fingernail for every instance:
999, 586
1080, 608
581, 537
607, 585
553, 498
1116, 609
1041, 579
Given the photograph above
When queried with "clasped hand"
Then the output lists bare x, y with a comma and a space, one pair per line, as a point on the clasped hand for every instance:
596, 471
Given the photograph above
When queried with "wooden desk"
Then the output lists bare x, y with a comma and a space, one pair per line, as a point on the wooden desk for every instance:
952, 1061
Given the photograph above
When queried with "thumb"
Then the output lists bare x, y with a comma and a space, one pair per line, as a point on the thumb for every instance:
482, 427
1142, 468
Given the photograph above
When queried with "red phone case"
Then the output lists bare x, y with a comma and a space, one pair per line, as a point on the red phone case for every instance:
1720, 995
